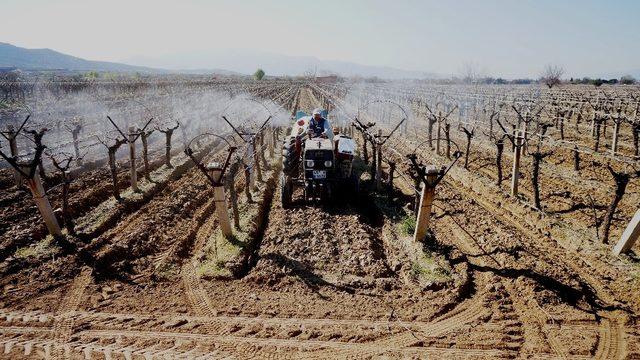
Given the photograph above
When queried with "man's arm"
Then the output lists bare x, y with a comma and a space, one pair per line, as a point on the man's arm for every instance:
326, 127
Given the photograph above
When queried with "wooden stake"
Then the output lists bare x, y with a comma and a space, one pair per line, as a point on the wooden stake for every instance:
76, 144
220, 199
392, 170
517, 150
438, 140
256, 162
379, 162
132, 158
614, 141
42, 202
272, 142
233, 195
13, 147
247, 185
426, 200
629, 236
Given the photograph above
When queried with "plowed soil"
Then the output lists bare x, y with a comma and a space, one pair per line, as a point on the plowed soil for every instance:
495, 278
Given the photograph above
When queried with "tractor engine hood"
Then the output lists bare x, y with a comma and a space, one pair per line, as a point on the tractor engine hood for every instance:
318, 144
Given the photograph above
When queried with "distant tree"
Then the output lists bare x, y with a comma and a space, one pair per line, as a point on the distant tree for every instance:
91, 75
470, 73
552, 75
627, 80
259, 74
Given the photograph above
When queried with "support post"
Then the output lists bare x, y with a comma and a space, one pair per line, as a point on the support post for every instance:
426, 201
220, 199
42, 202
365, 153
392, 170
438, 140
132, 157
76, 145
272, 141
261, 151
517, 152
233, 194
248, 184
614, 141
379, 161
13, 147
629, 236
256, 162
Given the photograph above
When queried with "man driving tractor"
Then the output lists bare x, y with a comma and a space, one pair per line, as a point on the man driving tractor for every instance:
318, 126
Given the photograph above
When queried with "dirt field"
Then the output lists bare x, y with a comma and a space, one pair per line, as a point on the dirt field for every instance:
152, 277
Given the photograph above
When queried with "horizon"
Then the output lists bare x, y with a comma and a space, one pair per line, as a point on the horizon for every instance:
443, 39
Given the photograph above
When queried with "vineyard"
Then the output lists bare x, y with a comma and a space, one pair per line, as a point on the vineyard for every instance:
143, 219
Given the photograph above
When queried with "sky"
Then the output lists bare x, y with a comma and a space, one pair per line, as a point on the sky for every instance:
501, 38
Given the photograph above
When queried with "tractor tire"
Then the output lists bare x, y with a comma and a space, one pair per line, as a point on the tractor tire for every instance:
286, 191
326, 197
290, 158
354, 185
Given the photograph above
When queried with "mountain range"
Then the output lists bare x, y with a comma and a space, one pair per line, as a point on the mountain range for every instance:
247, 61
234, 62
222, 62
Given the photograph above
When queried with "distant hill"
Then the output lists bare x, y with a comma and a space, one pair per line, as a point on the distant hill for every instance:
247, 61
46, 59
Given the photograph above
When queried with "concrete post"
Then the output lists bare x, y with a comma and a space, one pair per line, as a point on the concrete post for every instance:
76, 146
392, 170
233, 194
220, 199
379, 162
438, 140
614, 141
256, 162
42, 202
426, 200
248, 183
132, 158
13, 147
272, 141
629, 236
261, 151
517, 151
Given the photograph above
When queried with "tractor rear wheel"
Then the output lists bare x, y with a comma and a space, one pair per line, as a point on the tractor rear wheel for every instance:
290, 157
286, 191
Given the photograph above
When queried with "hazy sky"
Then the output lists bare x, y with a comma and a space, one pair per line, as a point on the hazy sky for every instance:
505, 38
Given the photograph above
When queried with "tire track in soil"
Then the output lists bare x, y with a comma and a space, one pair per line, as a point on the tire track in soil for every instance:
194, 290
575, 262
611, 340
609, 344
63, 326
133, 343
463, 240
170, 218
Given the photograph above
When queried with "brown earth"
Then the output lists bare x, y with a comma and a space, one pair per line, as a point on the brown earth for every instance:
495, 279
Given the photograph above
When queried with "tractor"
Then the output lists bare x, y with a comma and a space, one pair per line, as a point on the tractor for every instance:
322, 166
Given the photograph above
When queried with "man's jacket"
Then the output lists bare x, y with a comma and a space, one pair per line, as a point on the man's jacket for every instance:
318, 127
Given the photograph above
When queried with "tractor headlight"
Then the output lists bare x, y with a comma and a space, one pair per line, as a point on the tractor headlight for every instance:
310, 163
328, 163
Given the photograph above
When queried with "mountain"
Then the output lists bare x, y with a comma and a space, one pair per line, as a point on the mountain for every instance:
235, 62
247, 61
47, 59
